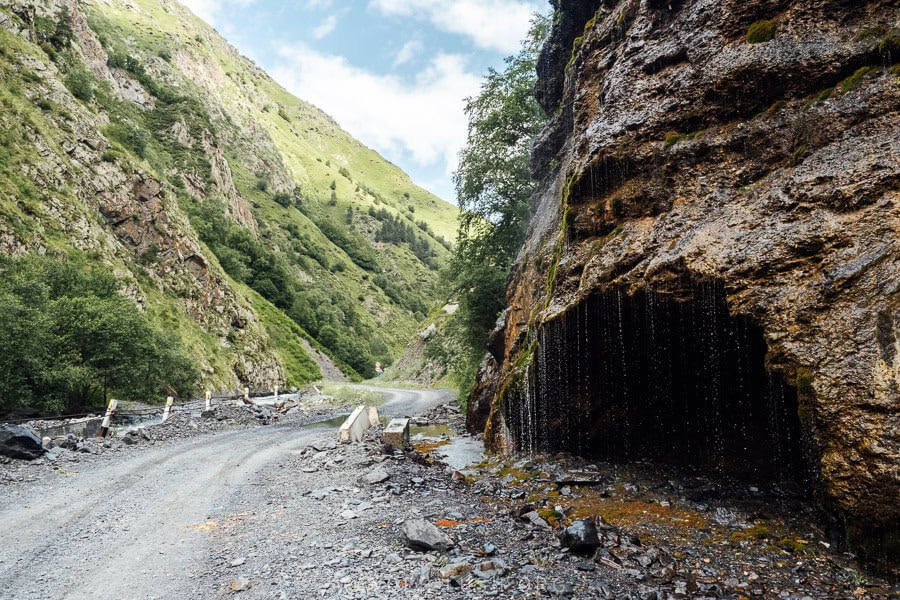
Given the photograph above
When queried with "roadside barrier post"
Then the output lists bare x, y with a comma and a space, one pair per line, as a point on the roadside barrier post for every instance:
107, 419
208, 398
169, 401
275, 391
247, 395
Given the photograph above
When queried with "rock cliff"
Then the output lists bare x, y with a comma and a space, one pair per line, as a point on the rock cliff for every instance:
713, 260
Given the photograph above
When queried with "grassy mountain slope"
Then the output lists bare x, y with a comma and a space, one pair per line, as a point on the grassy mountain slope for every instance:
238, 216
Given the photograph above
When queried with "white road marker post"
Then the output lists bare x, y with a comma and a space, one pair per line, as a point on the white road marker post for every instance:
107, 418
168, 408
275, 391
208, 399
246, 395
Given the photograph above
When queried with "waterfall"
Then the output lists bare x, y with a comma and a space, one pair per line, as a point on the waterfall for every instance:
664, 375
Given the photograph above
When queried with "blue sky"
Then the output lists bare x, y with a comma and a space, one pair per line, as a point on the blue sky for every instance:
394, 73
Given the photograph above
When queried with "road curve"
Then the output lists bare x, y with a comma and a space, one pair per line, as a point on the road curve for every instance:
131, 526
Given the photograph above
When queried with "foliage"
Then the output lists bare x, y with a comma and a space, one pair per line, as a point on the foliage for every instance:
80, 83
68, 339
761, 31
493, 185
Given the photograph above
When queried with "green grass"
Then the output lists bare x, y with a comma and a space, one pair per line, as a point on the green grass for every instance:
285, 335
353, 394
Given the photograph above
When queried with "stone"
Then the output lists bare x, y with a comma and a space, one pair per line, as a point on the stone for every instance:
455, 570
580, 537
419, 534
240, 584
238, 562
20, 442
560, 589
396, 434
376, 475
348, 515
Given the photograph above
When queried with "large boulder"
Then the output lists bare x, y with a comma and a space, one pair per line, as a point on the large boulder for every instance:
17, 441
580, 537
421, 535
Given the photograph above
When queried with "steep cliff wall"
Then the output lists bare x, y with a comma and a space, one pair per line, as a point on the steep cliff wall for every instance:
718, 220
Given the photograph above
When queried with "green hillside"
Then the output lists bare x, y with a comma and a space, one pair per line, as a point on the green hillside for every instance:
236, 215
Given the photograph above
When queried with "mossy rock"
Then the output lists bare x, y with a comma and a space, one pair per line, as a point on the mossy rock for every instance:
761, 31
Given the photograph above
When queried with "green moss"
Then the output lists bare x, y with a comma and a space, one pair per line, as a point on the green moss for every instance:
890, 43
819, 98
757, 532
855, 80
761, 31
576, 46
793, 545
871, 33
776, 107
672, 138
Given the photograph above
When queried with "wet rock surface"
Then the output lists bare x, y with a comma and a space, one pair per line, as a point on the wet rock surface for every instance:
683, 155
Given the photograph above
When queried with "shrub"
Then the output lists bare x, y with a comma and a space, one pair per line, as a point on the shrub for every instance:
131, 136
284, 199
761, 31
81, 84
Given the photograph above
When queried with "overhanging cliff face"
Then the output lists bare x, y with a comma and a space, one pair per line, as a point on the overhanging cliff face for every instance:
698, 185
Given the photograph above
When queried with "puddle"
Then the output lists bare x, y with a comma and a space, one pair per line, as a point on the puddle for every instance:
430, 431
332, 422
442, 442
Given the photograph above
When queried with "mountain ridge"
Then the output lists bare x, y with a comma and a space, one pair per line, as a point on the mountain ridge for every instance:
139, 139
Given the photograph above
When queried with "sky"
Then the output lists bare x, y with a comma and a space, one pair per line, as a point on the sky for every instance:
393, 73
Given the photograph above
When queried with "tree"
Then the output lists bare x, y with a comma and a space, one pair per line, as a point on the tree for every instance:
68, 339
493, 185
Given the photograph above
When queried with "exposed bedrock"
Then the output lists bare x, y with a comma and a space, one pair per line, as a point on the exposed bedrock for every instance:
712, 275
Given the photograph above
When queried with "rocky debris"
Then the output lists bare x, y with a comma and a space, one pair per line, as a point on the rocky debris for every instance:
419, 534
20, 442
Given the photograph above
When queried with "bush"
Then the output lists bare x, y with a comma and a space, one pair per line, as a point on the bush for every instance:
81, 84
68, 339
131, 136
761, 31
284, 199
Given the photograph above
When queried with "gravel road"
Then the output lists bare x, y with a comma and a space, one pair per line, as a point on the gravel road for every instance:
132, 526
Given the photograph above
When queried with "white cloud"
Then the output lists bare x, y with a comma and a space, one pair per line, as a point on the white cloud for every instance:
492, 24
205, 9
423, 119
325, 27
409, 50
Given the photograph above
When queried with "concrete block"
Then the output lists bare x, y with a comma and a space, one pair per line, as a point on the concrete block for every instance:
396, 434
373, 416
355, 426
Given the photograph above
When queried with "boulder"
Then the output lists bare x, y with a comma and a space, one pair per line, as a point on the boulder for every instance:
17, 441
580, 537
421, 535
376, 475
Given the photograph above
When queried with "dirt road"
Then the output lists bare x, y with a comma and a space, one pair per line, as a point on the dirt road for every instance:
132, 526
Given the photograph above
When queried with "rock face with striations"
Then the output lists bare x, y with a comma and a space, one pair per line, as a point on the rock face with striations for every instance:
712, 274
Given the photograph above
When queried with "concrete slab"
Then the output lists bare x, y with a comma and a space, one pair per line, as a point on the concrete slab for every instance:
373, 416
355, 426
396, 434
